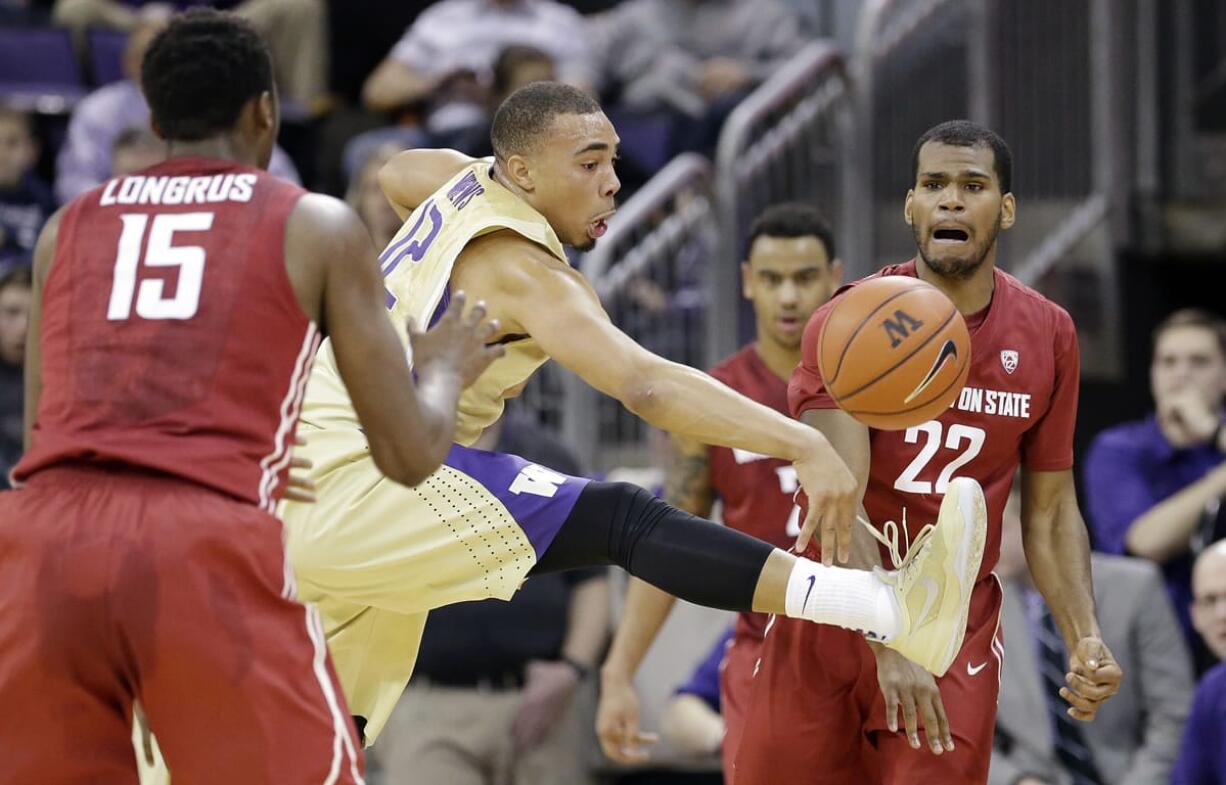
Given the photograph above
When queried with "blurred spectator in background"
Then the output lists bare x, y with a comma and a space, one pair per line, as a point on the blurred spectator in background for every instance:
693, 57
515, 67
296, 32
445, 60
1202, 758
368, 201
1154, 487
14, 319
85, 159
1135, 738
25, 200
135, 149
692, 723
493, 696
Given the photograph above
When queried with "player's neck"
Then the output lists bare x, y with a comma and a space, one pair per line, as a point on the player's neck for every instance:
217, 147
779, 359
969, 295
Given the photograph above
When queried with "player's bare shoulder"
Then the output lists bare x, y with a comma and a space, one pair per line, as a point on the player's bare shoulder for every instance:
502, 266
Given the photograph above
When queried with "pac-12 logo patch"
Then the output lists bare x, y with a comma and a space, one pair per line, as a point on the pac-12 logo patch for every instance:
1008, 359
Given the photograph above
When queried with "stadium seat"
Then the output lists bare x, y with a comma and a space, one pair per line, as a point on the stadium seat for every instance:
106, 55
38, 70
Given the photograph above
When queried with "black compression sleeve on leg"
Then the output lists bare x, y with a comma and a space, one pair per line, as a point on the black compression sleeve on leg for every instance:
687, 556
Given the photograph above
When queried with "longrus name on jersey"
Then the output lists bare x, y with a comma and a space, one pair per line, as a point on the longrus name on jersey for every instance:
209, 189
997, 402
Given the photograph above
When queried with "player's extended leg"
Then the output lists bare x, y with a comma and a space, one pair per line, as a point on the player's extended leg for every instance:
65, 692
920, 610
234, 674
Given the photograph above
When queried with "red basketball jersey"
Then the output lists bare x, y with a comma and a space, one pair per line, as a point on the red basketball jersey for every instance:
756, 490
1019, 405
171, 336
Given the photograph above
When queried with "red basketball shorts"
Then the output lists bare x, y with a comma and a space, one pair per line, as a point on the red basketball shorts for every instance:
817, 716
121, 585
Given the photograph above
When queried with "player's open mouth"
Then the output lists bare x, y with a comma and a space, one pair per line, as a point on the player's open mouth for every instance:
950, 235
790, 323
598, 227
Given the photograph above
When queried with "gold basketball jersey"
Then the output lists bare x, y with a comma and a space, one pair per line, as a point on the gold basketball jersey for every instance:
416, 269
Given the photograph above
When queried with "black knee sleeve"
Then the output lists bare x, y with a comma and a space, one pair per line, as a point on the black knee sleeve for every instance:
687, 556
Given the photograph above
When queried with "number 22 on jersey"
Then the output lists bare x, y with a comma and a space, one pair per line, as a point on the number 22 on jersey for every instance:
966, 439
150, 299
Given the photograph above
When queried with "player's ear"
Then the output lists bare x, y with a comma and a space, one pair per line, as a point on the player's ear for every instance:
746, 280
836, 272
906, 207
266, 110
520, 172
157, 128
1008, 211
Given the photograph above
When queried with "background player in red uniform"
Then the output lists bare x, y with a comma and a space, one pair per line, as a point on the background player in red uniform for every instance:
825, 705
791, 270
174, 320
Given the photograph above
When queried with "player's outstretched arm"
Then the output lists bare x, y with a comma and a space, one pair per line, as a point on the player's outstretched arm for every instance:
409, 178
409, 427
561, 311
688, 487
44, 255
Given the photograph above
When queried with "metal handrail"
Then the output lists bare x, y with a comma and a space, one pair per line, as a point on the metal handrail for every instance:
811, 84
782, 86
1084, 219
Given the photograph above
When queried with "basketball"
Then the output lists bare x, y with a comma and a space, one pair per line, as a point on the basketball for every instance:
894, 352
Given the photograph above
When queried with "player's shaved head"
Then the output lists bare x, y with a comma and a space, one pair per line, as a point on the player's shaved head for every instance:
201, 71
528, 113
964, 133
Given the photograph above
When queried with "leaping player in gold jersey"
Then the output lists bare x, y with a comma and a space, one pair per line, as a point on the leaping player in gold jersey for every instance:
376, 556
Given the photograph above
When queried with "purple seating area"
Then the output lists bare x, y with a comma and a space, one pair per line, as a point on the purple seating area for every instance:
106, 55
39, 70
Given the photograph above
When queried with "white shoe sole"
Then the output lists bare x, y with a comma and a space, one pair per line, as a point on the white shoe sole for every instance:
968, 553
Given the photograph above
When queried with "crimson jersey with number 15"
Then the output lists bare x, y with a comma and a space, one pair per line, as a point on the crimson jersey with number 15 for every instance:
171, 336
1019, 405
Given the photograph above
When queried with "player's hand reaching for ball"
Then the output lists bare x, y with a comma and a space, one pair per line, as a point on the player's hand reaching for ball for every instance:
1093, 677
833, 495
458, 342
908, 688
617, 721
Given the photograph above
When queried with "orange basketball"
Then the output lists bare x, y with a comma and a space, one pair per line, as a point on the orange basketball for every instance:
894, 352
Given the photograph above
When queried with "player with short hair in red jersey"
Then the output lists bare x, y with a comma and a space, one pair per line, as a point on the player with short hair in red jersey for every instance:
175, 316
791, 270
826, 702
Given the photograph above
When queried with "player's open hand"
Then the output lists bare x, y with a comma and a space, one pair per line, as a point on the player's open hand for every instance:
617, 722
458, 341
908, 688
833, 496
1093, 677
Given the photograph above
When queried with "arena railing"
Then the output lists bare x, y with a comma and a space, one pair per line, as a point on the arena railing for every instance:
649, 272
785, 141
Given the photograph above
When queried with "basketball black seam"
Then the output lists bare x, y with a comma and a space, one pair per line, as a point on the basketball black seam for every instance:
839, 365
896, 365
918, 405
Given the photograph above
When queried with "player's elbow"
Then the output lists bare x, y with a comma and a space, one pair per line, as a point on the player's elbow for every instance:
402, 464
641, 395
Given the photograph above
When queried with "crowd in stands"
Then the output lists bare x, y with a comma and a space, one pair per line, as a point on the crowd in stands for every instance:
361, 80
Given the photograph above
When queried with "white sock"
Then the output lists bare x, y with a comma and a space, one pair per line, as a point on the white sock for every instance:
854, 599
